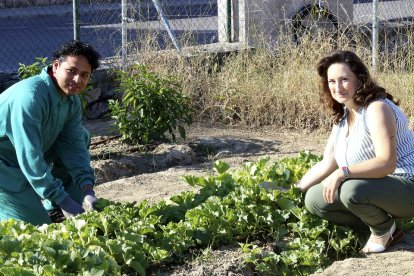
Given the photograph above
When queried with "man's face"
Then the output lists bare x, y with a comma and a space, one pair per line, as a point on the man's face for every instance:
72, 74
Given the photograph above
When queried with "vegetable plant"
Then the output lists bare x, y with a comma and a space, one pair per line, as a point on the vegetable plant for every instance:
150, 106
228, 208
26, 71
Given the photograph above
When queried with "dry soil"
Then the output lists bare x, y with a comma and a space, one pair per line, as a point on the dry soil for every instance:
125, 174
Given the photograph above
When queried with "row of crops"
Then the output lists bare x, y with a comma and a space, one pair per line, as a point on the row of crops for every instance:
228, 207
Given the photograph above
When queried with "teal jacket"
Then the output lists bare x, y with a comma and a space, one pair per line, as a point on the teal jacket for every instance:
36, 120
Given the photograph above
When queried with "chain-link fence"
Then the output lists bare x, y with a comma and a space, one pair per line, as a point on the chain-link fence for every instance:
34, 28
388, 24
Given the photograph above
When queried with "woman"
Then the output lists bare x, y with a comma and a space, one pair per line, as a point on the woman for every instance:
366, 176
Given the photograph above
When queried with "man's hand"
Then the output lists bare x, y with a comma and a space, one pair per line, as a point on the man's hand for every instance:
70, 207
90, 199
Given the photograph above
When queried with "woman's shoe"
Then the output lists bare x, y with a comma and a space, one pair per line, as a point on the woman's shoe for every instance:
377, 244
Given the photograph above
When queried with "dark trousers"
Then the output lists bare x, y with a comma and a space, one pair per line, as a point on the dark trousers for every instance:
365, 204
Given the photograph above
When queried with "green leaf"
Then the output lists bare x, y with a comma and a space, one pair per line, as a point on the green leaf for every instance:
94, 272
181, 129
16, 271
9, 245
220, 167
193, 180
285, 204
137, 266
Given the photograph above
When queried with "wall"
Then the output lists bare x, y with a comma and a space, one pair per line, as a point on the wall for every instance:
256, 20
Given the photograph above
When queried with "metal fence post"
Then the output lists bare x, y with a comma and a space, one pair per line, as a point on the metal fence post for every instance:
166, 24
124, 32
76, 23
228, 21
375, 35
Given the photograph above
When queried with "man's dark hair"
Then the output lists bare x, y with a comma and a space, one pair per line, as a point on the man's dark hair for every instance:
78, 48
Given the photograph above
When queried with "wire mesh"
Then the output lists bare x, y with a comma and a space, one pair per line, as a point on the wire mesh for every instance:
30, 29
395, 23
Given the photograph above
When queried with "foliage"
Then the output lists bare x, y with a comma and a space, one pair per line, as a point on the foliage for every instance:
26, 71
276, 84
229, 208
151, 106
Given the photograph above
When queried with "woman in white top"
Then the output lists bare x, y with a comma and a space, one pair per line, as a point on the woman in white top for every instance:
365, 178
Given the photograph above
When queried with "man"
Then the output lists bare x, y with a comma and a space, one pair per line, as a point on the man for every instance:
44, 158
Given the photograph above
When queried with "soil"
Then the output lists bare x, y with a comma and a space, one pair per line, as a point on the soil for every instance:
124, 173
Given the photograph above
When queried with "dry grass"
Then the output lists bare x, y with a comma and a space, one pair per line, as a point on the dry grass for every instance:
276, 87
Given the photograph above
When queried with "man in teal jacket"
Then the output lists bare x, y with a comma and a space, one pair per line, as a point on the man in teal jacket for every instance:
44, 157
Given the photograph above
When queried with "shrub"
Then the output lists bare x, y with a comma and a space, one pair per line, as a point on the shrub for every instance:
26, 71
150, 106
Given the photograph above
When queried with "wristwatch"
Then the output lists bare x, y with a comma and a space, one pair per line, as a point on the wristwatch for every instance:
345, 171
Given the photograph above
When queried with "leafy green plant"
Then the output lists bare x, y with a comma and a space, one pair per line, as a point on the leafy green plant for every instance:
150, 106
26, 71
229, 208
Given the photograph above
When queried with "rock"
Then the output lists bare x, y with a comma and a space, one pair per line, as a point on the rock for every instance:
164, 156
7, 79
167, 155
112, 169
104, 88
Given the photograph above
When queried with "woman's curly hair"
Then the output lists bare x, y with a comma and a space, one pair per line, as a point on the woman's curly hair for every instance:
367, 92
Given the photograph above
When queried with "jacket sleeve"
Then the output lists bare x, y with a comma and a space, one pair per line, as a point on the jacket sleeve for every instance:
72, 148
24, 131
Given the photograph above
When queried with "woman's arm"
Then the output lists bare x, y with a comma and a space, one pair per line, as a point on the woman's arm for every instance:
322, 169
383, 128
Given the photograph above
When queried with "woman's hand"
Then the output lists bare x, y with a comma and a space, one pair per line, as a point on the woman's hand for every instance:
299, 186
331, 185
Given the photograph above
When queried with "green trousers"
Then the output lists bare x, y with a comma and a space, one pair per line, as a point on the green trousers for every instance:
365, 205
27, 206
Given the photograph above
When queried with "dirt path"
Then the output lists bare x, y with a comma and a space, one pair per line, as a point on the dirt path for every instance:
129, 176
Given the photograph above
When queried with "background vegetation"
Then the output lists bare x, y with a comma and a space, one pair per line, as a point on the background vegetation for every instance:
277, 85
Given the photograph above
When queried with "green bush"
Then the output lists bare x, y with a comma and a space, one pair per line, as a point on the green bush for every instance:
150, 106
26, 71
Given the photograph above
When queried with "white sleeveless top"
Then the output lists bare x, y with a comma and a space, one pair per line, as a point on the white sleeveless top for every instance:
358, 146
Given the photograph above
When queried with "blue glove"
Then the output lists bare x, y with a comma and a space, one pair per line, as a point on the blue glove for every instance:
90, 199
70, 207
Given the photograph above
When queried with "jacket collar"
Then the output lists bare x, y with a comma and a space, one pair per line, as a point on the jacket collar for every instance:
53, 91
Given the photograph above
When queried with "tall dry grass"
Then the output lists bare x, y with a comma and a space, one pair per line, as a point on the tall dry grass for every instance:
276, 86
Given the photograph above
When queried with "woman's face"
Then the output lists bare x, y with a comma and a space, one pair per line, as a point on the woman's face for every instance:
343, 83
